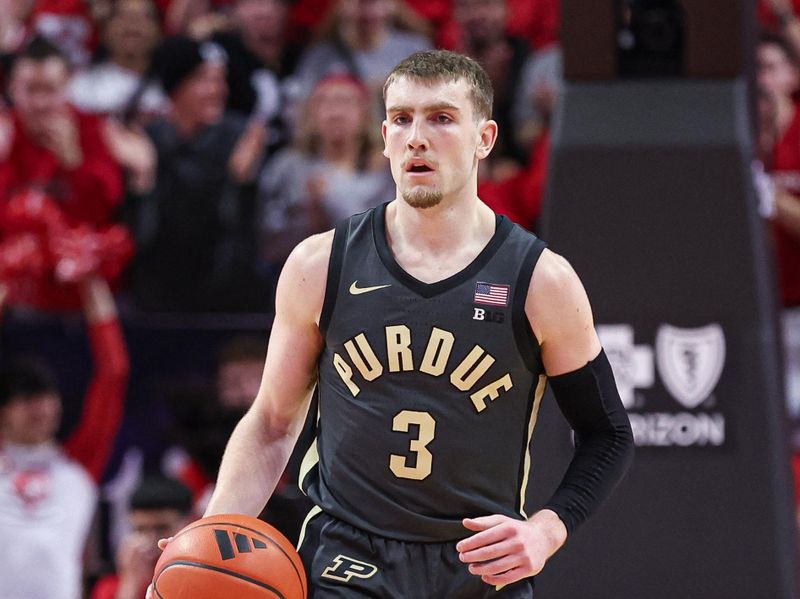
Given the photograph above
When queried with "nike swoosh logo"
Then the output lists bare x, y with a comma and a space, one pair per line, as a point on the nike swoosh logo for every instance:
356, 290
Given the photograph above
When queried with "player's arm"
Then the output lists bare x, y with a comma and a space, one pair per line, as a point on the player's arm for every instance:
505, 550
260, 446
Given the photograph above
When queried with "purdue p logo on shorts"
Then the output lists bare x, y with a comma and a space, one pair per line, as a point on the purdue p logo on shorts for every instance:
344, 568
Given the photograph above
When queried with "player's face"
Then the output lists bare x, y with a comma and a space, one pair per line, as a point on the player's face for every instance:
31, 420
433, 140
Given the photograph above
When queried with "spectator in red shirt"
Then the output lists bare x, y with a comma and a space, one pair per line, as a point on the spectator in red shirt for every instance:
520, 197
53, 147
159, 508
779, 78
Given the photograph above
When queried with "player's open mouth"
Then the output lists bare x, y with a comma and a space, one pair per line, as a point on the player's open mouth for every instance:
418, 166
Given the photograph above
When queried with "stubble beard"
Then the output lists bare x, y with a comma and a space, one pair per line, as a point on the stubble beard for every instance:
422, 198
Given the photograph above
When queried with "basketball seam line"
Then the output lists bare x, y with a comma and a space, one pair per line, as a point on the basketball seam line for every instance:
220, 570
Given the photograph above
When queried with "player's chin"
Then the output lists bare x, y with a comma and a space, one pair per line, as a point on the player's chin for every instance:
422, 196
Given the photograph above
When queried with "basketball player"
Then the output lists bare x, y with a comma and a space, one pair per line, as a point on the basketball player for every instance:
429, 326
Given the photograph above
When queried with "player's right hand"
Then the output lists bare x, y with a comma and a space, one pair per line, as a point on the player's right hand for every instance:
162, 544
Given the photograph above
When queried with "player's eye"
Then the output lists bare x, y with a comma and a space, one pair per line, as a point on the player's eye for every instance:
400, 120
443, 118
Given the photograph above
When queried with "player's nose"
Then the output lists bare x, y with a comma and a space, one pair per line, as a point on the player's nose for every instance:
417, 140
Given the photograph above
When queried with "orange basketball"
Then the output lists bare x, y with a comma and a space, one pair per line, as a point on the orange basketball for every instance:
229, 555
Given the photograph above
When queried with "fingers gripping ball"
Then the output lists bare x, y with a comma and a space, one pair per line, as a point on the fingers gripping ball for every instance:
229, 555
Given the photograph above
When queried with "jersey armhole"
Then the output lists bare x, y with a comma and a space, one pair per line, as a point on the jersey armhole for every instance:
527, 344
334, 274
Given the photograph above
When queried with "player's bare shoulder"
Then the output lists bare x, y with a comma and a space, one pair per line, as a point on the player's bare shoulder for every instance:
301, 287
556, 298
553, 272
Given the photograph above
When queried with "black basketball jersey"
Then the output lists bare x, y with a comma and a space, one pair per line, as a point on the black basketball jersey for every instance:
428, 393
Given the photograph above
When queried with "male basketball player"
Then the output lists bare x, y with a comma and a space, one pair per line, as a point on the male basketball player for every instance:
429, 326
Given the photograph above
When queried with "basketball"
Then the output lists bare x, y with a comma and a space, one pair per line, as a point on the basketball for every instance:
229, 555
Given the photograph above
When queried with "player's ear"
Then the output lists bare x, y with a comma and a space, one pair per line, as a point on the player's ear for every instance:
488, 137
383, 135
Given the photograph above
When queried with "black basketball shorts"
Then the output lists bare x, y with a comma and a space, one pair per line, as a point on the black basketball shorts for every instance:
342, 561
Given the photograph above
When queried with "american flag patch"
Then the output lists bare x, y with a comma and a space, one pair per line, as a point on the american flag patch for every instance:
490, 294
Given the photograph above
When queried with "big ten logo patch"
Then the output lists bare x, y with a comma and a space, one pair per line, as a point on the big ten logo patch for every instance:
345, 568
485, 315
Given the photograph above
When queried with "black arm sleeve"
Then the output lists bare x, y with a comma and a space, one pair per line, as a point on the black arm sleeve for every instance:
590, 402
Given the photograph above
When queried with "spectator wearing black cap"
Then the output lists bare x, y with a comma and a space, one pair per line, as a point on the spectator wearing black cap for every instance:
159, 507
191, 229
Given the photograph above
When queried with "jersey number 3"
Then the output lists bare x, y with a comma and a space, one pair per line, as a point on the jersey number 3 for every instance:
398, 464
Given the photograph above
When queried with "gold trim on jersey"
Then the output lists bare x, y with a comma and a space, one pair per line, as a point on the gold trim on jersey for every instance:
537, 400
310, 460
312, 513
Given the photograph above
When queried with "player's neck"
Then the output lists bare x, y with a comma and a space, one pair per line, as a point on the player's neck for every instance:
450, 224
433, 244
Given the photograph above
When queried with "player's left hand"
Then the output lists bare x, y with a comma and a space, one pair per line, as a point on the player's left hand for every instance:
505, 550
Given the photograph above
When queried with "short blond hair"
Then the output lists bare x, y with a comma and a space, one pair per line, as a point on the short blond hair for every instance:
443, 65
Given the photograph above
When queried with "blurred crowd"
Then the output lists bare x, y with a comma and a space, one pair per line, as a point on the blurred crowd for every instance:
778, 150
220, 133
165, 156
